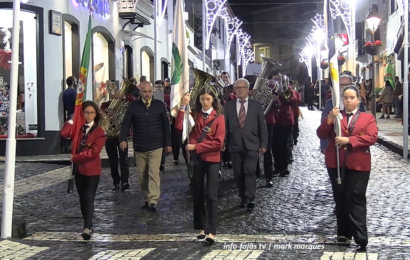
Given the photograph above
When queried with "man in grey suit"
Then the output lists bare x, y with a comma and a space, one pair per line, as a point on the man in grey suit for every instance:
246, 135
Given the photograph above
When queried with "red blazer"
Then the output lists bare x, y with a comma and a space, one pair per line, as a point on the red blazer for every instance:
210, 147
295, 107
88, 161
283, 112
363, 136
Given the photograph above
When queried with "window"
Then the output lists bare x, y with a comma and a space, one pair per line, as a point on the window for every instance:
265, 51
101, 68
27, 124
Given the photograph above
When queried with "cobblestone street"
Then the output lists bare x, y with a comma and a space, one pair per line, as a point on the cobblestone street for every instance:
292, 220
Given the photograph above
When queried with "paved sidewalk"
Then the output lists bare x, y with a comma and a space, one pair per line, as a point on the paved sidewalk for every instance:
390, 133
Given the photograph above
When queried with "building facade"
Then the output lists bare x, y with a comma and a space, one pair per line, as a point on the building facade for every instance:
52, 37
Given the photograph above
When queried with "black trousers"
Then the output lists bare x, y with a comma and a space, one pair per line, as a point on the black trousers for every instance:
267, 157
244, 166
205, 218
295, 130
112, 146
350, 198
290, 144
86, 188
280, 136
310, 102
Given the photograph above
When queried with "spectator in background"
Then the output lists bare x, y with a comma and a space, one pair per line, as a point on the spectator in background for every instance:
69, 96
167, 86
398, 91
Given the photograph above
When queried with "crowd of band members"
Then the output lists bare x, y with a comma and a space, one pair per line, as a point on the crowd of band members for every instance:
235, 138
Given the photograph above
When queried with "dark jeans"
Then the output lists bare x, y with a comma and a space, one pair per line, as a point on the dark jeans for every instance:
244, 166
350, 198
280, 136
205, 219
112, 147
295, 130
87, 187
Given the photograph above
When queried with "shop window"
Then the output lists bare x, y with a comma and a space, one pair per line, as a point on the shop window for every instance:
101, 68
27, 122
68, 51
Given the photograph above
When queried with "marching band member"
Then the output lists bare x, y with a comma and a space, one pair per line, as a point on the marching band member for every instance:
205, 143
87, 161
282, 130
295, 129
359, 132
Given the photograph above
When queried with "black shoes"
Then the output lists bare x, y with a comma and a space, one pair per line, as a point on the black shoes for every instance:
285, 173
145, 206
125, 186
290, 161
269, 184
244, 200
116, 187
250, 206
176, 162
161, 168
201, 236
87, 233
152, 207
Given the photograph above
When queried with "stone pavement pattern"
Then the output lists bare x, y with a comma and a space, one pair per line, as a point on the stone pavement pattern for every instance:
292, 220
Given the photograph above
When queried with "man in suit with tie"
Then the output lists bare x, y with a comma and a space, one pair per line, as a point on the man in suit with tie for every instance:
246, 135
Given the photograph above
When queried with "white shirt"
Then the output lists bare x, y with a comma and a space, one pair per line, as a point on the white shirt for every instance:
89, 125
350, 118
208, 111
238, 106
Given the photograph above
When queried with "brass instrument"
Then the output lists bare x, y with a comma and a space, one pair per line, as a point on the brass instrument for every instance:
202, 79
263, 92
112, 125
287, 93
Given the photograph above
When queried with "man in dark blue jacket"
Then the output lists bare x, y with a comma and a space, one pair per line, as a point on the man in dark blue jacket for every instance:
151, 134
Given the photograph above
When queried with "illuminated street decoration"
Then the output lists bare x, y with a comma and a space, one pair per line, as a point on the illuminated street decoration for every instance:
213, 10
161, 11
232, 25
249, 56
100, 7
305, 57
343, 9
243, 43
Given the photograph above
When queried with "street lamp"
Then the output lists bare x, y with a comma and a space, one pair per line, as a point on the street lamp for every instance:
373, 21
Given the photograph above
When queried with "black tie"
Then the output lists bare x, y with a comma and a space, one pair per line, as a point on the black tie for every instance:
205, 115
348, 116
85, 127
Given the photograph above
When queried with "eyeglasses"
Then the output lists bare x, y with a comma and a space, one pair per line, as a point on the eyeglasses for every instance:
89, 113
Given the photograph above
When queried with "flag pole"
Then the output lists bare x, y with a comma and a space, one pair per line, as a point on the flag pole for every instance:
406, 82
9, 174
155, 40
204, 34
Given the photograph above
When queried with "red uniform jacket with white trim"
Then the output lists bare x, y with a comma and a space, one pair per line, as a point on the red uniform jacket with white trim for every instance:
364, 135
210, 147
88, 160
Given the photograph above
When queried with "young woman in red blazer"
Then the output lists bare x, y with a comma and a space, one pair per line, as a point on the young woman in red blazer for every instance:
207, 108
359, 132
87, 161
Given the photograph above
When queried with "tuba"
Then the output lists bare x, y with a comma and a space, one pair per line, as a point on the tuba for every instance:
202, 79
263, 92
112, 124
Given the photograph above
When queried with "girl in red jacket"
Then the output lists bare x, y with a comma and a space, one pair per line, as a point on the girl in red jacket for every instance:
87, 161
208, 159
359, 132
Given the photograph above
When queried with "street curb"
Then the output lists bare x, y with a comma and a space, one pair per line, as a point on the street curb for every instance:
391, 146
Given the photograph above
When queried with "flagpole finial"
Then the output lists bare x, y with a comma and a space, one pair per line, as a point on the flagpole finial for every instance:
91, 9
